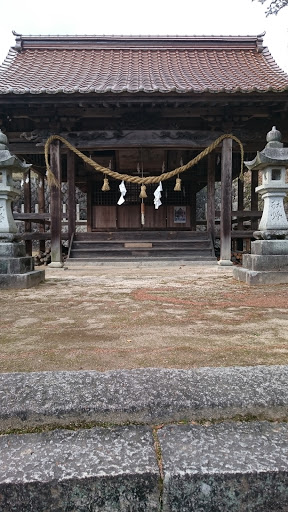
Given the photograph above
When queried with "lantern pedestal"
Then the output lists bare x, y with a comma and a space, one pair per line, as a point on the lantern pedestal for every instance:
16, 269
267, 263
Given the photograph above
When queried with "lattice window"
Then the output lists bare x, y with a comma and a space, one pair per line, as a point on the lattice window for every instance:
169, 196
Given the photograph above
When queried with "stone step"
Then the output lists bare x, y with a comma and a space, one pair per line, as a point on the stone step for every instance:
143, 261
95, 469
230, 467
119, 246
34, 399
149, 243
139, 253
141, 235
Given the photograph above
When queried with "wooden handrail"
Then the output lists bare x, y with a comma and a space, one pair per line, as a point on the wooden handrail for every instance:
70, 245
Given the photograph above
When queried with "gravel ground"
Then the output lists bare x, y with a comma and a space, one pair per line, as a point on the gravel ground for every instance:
103, 318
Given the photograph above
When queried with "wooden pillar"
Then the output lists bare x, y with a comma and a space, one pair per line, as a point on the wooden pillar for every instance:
211, 195
71, 193
193, 208
27, 209
41, 206
90, 186
226, 203
240, 206
254, 198
55, 207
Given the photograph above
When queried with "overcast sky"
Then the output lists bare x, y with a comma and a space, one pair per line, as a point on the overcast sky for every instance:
150, 17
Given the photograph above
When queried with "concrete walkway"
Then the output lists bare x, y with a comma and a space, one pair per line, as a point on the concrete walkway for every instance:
209, 439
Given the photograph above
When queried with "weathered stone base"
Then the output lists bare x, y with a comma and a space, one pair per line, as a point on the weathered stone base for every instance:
12, 249
26, 280
254, 277
225, 263
277, 262
270, 247
56, 264
267, 263
17, 269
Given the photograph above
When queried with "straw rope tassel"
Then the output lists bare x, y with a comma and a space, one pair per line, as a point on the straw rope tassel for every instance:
177, 187
105, 186
143, 194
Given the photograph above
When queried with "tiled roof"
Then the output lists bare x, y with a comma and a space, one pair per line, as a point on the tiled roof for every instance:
120, 64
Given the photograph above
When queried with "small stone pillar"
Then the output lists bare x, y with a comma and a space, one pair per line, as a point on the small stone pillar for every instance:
268, 261
16, 269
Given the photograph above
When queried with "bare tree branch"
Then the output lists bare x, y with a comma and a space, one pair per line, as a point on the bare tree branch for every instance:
275, 6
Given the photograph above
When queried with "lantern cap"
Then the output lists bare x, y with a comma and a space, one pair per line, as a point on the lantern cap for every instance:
7, 160
273, 154
3, 138
274, 138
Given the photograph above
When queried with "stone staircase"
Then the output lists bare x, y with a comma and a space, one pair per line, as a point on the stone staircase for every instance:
145, 440
117, 246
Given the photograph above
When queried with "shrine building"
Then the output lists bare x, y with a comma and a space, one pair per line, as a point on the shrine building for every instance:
140, 107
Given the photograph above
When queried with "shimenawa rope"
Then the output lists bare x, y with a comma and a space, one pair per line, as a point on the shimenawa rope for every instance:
137, 179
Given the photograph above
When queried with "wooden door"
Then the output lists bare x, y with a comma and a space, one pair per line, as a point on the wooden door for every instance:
104, 217
129, 216
155, 219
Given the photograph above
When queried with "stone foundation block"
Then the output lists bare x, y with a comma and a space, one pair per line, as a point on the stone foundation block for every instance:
16, 265
26, 280
229, 467
253, 277
12, 250
269, 247
103, 470
266, 262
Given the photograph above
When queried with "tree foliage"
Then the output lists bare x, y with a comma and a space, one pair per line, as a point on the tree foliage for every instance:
275, 6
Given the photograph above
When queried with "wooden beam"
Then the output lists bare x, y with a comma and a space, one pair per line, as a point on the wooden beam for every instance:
32, 217
226, 203
55, 207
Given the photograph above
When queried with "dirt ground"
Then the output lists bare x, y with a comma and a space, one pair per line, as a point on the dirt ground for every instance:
105, 318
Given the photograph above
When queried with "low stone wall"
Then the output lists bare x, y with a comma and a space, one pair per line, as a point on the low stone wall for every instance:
145, 440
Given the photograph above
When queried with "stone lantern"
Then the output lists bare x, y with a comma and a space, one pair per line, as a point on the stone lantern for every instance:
268, 261
16, 269
8, 193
